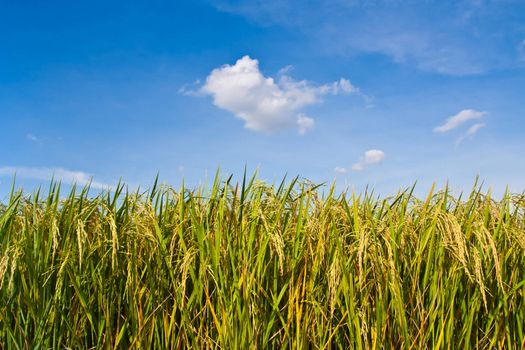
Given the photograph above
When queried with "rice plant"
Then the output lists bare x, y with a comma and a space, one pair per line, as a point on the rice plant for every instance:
252, 265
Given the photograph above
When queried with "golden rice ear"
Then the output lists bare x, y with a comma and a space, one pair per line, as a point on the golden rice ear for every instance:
253, 265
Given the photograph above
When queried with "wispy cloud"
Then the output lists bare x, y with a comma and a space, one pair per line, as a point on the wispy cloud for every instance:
190, 89
474, 128
264, 103
340, 170
521, 50
470, 132
31, 137
370, 157
447, 37
59, 174
458, 119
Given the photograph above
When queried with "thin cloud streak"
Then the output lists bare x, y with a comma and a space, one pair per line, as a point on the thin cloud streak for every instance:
458, 119
470, 132
59, 174
451, 38
475, 128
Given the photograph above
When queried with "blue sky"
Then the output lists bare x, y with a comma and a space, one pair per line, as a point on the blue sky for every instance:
378, 92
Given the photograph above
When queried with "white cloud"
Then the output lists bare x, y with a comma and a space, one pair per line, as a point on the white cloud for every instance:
263, 103
474, 128
340, 170
285, 70
458, 119
370, 157
343, 85
189, 89
448, 37
305, 124
59, 174
470, 132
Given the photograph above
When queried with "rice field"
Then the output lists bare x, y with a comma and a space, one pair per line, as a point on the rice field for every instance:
253, 265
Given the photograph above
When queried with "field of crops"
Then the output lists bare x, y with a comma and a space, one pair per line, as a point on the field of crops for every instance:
254, 265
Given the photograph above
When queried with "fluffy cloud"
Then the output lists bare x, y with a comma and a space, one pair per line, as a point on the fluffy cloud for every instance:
263, 103
370, 157
59, 174
458, 119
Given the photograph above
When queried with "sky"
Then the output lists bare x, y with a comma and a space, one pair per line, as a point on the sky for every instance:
381, 93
